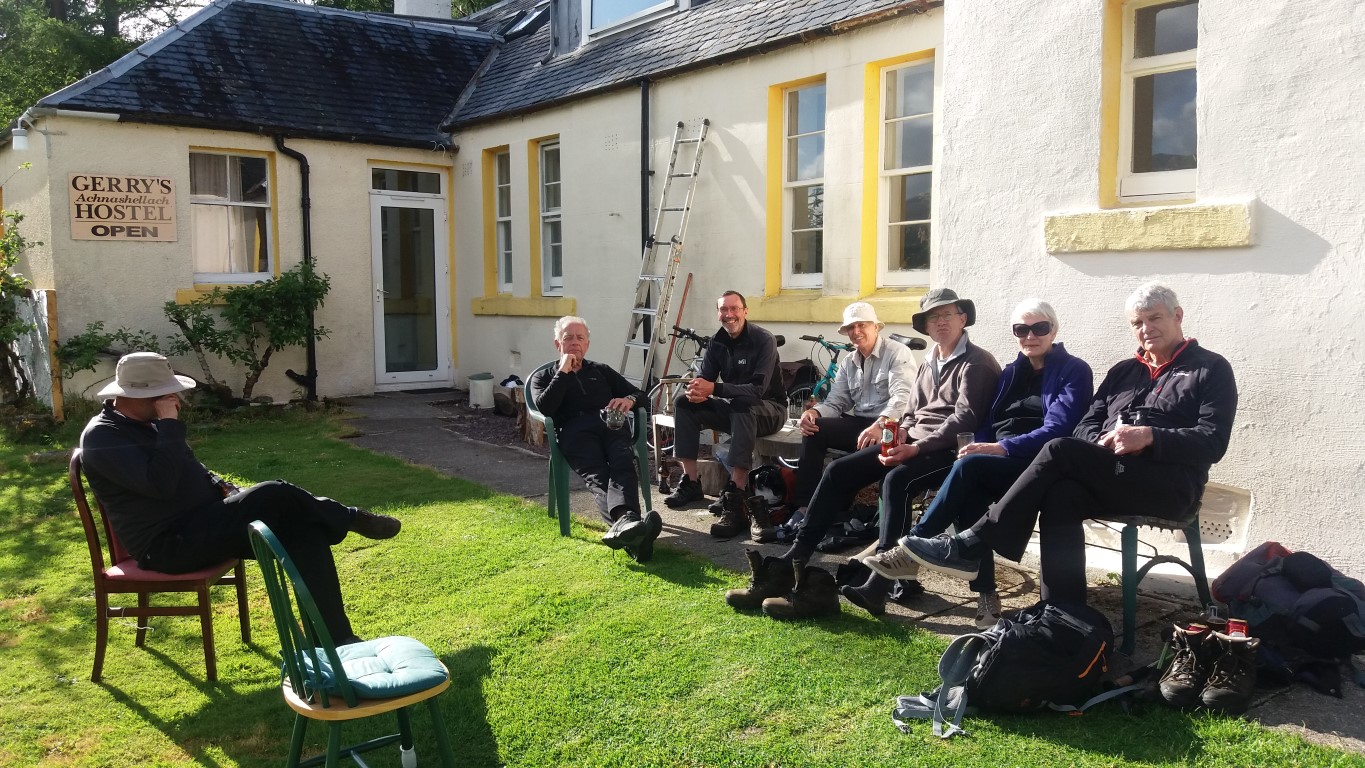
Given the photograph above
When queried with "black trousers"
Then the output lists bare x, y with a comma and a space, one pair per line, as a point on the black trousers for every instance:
745, 419
1069, 482
837, 432
605, 459
305, 524
847, 475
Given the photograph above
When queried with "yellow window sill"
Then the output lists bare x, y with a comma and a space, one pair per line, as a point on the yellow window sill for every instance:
892, 306
525, 306
1164, 228
199, 291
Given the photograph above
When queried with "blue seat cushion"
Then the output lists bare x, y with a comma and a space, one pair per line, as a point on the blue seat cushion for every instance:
383, 668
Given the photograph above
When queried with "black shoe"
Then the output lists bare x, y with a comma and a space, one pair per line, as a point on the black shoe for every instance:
688, 491
372, 526
627, 530
644, 551
871, 596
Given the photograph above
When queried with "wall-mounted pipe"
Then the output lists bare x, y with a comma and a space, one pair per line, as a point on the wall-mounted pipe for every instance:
309, 379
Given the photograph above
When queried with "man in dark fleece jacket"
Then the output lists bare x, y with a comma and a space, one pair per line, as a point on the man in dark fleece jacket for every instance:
574, 391
1157, 423
171, 514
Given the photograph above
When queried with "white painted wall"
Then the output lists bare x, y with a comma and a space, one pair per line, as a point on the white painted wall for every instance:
1279, 100
124, 284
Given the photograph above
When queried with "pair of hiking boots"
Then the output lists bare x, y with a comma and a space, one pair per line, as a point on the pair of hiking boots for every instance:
786, 589
1210, 668
635, 534
738, 511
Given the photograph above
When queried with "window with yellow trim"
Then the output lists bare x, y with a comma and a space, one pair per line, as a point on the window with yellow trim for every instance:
1158, 137
803, 187
230, 217
551, 225
906, 174
502, 218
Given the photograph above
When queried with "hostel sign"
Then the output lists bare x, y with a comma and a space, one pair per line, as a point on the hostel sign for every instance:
106, 207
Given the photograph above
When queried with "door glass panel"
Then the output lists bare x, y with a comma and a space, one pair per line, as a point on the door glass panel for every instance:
409, 254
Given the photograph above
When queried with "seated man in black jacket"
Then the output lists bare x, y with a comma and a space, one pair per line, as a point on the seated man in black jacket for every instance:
1157, 423
574, 393
172, 515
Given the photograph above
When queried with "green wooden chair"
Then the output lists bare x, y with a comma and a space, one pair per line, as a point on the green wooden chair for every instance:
559, 466
334, 685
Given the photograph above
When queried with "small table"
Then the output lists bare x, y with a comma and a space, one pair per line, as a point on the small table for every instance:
784, 443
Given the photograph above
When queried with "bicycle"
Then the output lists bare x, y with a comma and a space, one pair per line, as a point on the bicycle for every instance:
801, 398
689, 350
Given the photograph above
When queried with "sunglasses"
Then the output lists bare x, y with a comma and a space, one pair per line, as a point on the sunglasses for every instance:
1039, 329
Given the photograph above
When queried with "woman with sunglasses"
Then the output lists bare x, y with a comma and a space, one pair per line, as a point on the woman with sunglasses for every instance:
1041, 395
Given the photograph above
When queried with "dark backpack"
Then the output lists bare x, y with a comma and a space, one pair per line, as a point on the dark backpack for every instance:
1296, 600
1050, 655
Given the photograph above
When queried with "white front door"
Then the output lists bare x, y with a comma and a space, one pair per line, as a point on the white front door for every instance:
411, 290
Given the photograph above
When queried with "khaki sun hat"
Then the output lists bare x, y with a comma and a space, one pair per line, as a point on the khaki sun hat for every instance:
145, 374
859, 312
940, 297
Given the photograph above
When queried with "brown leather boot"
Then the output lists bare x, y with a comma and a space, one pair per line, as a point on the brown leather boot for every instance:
732, 516
1184, 679
769, 577
1232, 675
761, 527
814, 595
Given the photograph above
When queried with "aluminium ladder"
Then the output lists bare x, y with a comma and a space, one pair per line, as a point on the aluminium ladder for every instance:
660, 262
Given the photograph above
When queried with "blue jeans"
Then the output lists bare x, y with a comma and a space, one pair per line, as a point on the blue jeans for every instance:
974, 483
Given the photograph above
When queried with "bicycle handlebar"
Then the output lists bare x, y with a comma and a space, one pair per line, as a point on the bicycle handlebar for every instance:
688, 333
840, 346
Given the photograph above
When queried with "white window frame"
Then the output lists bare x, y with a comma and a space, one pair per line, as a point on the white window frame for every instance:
887, 277
502, 221
236, 277
1153, 186
790, 278
551, 284
637, 18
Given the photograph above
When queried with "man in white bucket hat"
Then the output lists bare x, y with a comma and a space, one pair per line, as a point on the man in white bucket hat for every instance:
170, 513
875, 381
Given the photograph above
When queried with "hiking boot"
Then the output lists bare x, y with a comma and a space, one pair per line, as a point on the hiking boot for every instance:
871, 596
769, 577
688, 491
628, 530
373, 526
1184, 679
761, 527
1232, 677
942, 553
732, 517
717, 507
644, 551
894, 563
814, 595
987, 610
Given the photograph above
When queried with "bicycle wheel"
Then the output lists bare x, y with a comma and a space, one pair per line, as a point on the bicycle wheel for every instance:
661, 404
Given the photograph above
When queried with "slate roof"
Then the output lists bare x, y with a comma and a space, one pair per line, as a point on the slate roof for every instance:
269, 66
518, 78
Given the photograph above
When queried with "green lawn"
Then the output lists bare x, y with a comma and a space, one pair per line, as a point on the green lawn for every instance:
562, 652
